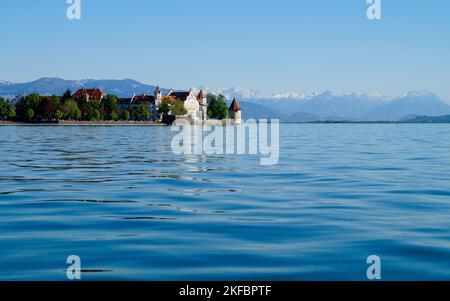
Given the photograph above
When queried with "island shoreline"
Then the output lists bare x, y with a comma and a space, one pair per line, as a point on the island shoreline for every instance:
83, 123
216, 123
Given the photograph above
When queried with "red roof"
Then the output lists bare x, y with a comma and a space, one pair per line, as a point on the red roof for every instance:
179, 95
124, 101
201, 97
235, 106
141, 99
90, 94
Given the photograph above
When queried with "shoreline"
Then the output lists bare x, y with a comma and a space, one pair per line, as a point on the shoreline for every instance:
84, 123
210, 123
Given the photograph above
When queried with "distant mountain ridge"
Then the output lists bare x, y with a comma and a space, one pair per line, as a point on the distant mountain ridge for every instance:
359, 107
427, 119
288, 107
57, 86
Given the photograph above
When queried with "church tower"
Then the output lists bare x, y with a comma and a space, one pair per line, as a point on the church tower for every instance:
158, 96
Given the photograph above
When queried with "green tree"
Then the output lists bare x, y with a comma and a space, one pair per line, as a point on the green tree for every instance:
29, 114
141, 113
55, 100
2, 107
95, 116
102, 111
33, 100
84, 108
5, 109
66, 96
92, 111
212, 105
178, 108
217, 107
164, 108
58, 115
25, 103
10, 111
222, 108
111, 107
114, 116
70, 110
125, 115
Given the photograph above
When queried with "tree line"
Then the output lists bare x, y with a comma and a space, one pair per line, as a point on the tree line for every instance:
7, 110
37, 108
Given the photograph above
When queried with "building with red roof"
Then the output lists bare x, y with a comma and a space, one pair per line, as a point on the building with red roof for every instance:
89, 94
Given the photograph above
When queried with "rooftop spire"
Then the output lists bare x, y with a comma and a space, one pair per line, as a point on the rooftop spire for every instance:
235, 106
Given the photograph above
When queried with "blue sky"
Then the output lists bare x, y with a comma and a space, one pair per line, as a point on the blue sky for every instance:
267, 45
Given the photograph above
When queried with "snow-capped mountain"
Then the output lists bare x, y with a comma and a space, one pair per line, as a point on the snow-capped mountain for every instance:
231, 92
287, 106
413, 103
6, 83
249, 94
292, 95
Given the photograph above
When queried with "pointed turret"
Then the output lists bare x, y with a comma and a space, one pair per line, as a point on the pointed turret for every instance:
235, 112
235, 106
202, 97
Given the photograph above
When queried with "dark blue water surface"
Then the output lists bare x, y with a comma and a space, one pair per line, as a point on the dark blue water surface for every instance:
131, 209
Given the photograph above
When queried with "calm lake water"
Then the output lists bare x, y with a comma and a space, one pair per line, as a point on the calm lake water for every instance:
118, 198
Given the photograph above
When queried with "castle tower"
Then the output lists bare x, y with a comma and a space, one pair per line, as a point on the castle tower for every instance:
235, 112
203, 104
158, 96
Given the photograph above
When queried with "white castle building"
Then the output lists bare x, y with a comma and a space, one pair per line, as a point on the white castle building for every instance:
195, 105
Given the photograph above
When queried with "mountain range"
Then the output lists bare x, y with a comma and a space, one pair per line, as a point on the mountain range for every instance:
427, 119
288, 107
57, 86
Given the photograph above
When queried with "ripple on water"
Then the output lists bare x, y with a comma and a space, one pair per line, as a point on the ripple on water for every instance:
119, 198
